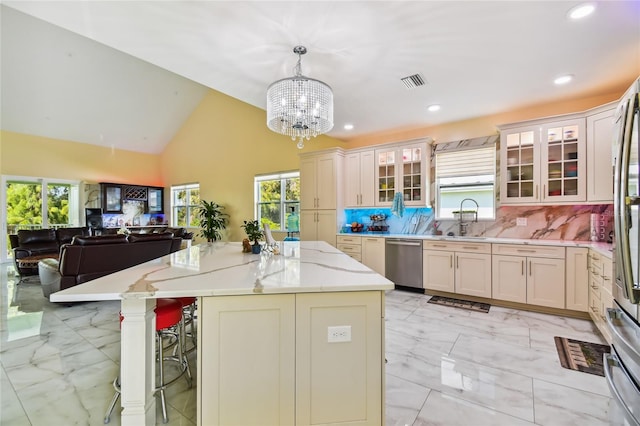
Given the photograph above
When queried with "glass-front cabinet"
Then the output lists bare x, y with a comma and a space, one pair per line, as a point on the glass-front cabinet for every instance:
543, 163
563, 162
521, 175
402, 169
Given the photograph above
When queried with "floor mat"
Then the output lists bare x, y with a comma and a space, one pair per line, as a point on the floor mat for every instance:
458, 303
581, 356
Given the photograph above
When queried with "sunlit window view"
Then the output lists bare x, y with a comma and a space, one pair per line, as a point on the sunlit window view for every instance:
277, 196
39, 203
465, 174
184, 203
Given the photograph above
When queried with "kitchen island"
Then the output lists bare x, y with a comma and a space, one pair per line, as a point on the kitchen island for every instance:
295, 338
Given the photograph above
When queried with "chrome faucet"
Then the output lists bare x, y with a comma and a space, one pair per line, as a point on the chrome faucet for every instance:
462, 224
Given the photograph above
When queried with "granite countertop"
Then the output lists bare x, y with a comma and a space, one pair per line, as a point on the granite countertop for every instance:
222, 269
601, 247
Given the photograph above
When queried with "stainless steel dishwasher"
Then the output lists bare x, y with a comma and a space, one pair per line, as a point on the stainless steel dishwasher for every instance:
403, 263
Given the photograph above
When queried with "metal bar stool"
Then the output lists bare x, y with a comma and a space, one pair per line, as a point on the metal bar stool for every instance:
169, 325
188, 319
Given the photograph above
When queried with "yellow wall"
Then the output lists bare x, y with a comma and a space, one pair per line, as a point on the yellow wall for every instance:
26, 155
222, 146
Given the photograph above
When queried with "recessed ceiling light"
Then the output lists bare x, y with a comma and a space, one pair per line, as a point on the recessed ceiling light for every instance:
348, 126
563, 79
433, 108
582, 11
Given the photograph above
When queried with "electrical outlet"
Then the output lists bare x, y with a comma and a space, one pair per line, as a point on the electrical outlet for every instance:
338, 334
521, 221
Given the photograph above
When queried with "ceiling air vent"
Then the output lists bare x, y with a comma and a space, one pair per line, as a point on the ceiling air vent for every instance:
412, 81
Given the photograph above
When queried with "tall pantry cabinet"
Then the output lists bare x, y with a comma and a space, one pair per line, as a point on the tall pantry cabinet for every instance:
320, 194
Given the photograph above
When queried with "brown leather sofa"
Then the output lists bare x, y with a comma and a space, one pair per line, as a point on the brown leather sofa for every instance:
36, 242
88, 258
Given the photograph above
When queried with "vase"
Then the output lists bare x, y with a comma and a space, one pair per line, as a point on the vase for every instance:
255, 248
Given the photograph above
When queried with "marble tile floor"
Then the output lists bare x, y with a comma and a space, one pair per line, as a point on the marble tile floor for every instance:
446, 366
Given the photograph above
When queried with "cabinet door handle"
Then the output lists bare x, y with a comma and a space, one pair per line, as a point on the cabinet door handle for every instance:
438, 245
451, 261
530, 269
544, 191
457, 262
470, 248
522, 268
536, 192
525, 251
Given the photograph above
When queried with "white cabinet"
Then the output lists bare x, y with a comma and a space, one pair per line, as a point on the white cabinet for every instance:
318, 225
457, 267
529, 274
350, 245
359, 182
577, 279
438, 271
600, 296
274, 351
600, 128
543, 162
402, 169
320, 195
246, 343
319, 178
373, 253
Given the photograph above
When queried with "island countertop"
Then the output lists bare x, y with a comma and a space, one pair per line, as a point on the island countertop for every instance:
221, 268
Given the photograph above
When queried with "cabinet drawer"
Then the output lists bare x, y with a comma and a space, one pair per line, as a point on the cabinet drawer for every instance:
355, 256
458, 246
343, 239
350, 248
529, 250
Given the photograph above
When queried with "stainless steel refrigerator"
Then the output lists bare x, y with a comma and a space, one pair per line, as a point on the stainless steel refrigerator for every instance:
622, 366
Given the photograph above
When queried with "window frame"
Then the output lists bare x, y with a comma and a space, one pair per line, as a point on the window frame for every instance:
470, 185
188, 187
284, 203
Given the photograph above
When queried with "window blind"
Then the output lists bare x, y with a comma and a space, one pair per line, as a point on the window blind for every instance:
472, 162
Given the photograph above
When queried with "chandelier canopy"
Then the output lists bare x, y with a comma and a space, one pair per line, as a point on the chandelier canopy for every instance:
299, 106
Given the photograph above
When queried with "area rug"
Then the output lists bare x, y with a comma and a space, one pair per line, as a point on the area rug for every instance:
459, 303
581, 356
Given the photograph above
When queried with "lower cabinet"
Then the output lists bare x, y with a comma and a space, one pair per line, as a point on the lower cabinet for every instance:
350, 245
267, 359
373, 253
600, 291
457, 267
318, 225
518, 276
577, 279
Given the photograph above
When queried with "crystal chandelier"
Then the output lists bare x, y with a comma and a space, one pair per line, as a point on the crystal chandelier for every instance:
299, 106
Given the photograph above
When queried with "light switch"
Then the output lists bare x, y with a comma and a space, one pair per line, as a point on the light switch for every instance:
521, 221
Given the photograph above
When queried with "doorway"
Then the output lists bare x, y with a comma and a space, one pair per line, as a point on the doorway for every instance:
36, 203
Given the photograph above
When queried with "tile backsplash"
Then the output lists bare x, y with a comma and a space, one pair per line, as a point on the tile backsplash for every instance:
560, 222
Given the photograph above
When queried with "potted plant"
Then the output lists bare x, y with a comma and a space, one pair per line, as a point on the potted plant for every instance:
212, 220
254, 233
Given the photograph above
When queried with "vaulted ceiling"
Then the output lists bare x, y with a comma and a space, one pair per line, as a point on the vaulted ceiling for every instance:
127, 74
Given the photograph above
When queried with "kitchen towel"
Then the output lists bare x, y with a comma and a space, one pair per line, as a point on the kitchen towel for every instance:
397, 208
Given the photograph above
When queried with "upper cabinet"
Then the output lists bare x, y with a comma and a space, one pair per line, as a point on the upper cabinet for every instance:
544, 162
319, 177
116, 198
155, 199
600, 135
359, 181
402, 169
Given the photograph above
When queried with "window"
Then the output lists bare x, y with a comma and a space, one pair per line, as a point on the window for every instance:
35, 203
277, 196
184, 202
466, 174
